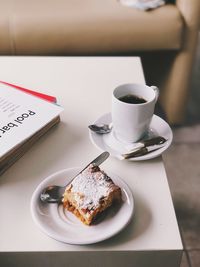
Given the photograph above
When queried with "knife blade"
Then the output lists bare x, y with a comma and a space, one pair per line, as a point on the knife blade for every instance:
97, 161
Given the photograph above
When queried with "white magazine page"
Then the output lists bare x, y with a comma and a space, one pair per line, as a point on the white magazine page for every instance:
22, 115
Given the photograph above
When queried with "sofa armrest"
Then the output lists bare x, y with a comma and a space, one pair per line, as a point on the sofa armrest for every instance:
176, 87
190, 10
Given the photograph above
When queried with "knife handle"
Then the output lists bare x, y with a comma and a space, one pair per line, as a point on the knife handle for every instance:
142, 151
158, 140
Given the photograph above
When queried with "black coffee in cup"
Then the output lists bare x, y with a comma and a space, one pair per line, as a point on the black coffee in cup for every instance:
132, 99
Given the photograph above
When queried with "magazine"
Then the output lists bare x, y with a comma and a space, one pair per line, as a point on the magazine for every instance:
24, 118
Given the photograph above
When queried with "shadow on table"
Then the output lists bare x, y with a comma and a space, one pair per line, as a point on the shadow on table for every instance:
137, 227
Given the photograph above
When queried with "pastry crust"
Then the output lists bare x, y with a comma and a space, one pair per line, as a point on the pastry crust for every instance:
90, 193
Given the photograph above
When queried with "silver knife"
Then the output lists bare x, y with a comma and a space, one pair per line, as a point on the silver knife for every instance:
97, 161
158, 140
142, 151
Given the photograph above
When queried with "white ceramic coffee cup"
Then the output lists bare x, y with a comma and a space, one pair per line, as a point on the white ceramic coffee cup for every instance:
131, 121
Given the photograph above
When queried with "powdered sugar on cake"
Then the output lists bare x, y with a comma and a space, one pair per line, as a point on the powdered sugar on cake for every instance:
94, 185
90, 194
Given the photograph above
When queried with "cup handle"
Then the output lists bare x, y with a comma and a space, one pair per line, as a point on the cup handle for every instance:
156, 90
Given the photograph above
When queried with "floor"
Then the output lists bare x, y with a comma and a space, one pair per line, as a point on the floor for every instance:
182, 163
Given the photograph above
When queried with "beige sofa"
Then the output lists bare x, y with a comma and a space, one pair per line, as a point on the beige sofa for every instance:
165, 38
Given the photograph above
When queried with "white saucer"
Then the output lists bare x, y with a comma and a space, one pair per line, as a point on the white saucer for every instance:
63, 226
108, 142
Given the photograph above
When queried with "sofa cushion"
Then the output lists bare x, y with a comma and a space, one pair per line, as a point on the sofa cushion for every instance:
91, 26
5, 42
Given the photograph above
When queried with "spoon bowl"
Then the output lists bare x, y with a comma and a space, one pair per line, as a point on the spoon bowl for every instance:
100, 128
52, 194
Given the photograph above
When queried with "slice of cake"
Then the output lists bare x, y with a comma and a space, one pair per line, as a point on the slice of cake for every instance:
90, 193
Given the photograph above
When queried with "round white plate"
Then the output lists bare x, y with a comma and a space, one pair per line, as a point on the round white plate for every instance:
63, 226
108, 142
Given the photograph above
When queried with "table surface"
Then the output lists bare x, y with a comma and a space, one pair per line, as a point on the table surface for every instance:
83, 86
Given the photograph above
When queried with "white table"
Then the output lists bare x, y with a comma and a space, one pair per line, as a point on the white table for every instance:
83, 87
